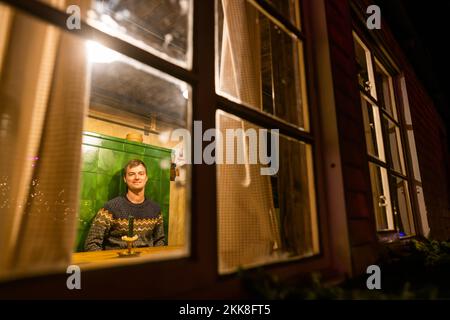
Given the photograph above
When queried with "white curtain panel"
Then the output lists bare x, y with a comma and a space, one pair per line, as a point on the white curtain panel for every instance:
44, 94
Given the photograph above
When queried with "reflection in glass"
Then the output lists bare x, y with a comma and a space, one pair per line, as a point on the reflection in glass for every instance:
385, 90
371, 128
133, 110
160, 27
260, 64
265, 218
363, 71
289, 9
381, 198
392, 141
401, 206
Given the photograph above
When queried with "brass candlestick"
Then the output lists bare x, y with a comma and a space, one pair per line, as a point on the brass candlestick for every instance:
130, 239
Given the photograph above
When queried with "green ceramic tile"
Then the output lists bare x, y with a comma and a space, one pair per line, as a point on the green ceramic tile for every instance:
150, 152
163, 164
152, 190
120, 162
114, 186
98, 204
165, 175
81, 238
122, 187
78, 240
134, 149
88, 185
153, 170
90, 158
109, 161
103, 182
131, 156
86, 211
105, 161
156, 152
114, 145
151, 175
165, 212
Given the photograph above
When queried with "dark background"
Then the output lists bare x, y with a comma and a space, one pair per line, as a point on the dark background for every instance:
422, 28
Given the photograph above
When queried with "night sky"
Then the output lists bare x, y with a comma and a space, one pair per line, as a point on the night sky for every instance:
423, 30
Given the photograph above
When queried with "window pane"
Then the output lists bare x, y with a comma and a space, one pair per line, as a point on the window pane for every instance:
161, 27
393, 145
264, 218
371, 127
289, 9
133, 111
260, 65
385, 90
401, 206
362, 59
381, 198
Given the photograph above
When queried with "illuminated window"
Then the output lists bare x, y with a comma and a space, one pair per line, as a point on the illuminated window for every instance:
74, 112
264, 218
260, 61
161, 27
133, 111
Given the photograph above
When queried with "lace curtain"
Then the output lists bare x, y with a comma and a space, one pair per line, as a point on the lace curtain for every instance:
44, 90
247, 221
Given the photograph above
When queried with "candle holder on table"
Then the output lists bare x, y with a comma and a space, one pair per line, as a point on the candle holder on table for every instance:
129, 239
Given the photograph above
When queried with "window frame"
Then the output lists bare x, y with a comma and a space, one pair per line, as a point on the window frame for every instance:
379, 56
310, 134
201, 263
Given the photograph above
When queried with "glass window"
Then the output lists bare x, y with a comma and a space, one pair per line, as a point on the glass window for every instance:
393, 145
364, 65
133, 111
385, 90
388, 172
381, 198
372, 128
289, 9
401, 206
260, 64
73, 114
160, 27
264, 218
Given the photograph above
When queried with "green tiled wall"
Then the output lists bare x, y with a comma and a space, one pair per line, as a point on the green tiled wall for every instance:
103, 159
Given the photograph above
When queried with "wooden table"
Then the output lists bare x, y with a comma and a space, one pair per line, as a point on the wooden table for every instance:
79, 258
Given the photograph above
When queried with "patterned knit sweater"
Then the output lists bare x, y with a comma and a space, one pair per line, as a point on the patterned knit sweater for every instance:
111, 223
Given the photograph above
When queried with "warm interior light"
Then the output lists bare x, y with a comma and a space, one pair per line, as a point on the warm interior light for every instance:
186, 94
98, 53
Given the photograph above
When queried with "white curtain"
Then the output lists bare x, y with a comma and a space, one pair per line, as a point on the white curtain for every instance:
247, 222
44, 89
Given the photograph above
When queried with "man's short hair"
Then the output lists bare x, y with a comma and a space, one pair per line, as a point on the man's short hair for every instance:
134, 163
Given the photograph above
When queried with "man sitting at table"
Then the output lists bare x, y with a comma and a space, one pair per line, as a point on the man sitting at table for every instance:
111, 221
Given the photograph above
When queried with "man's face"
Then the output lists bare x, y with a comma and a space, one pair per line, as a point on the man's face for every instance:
136, 178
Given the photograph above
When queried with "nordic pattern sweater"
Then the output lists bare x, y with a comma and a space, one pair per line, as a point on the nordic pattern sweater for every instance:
111, 223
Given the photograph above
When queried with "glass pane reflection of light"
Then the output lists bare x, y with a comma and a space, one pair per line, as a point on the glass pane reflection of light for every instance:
98, 53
